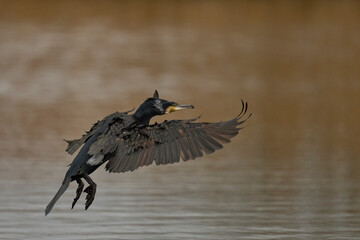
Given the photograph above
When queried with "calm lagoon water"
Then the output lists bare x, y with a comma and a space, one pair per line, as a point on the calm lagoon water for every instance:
292, 173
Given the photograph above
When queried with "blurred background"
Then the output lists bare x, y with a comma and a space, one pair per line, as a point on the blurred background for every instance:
292, 173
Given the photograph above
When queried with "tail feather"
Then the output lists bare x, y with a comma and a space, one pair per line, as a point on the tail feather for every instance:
60, 192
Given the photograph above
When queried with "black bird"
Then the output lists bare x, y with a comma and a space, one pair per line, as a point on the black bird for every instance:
127, 142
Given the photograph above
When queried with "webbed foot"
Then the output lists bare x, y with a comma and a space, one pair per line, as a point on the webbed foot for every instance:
90, 190
78, 192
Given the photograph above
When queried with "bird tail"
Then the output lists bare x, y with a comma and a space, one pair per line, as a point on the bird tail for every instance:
60, 192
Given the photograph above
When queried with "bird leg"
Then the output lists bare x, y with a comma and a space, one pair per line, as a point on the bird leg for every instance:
78, 191
90, 190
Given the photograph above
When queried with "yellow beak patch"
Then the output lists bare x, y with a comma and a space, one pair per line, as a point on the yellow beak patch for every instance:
170, 109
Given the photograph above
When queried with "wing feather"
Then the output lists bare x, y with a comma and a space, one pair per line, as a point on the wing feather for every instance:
74, 145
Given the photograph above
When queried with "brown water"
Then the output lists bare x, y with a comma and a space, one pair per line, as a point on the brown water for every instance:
293, 173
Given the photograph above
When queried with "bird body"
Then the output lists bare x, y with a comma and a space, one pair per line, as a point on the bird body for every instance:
85, 162
127, 141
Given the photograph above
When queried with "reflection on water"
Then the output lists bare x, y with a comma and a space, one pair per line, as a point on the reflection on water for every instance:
293, 173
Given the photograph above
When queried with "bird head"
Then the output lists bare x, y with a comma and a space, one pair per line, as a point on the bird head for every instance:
156, 106
162, 106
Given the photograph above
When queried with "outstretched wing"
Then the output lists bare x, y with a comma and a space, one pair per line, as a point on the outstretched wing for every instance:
74, 145
168, 142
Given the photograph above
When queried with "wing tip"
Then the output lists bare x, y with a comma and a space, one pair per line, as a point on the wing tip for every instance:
193, 119
244, 109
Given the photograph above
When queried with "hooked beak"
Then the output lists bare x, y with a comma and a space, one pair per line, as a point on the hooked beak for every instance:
177, 107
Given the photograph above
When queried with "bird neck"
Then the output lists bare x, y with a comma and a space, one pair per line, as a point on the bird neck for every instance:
143, 115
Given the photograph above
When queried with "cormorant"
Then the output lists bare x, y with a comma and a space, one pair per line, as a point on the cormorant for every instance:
127, 142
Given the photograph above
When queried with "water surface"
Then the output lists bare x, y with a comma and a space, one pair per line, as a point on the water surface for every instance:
292, 173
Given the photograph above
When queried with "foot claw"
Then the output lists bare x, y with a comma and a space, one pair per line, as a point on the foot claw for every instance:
78, 193
90, 190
